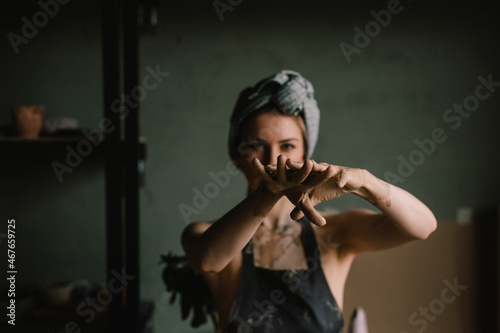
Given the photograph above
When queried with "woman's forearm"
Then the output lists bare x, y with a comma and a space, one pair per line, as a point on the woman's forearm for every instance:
226, 237
403, 209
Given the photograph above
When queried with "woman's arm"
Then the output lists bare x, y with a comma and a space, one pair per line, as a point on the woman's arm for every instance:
209, 248
405, 211
403, 217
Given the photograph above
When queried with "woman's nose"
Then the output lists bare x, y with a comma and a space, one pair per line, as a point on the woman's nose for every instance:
272, 155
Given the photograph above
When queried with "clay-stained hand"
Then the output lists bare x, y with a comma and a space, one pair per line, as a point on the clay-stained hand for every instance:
295, 182
341, 180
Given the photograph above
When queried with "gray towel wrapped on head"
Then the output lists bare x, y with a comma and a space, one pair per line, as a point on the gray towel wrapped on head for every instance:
288, 92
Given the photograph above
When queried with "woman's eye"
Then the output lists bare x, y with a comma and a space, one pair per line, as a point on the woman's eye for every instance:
287, 146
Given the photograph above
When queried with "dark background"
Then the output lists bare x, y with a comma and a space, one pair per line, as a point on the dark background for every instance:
395, 91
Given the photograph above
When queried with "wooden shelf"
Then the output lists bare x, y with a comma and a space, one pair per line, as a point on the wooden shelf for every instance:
47, 145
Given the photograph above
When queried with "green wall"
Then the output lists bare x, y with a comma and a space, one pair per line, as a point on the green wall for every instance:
394, 91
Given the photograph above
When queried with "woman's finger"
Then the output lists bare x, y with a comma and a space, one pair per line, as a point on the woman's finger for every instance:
281, 171
262, 170
294, 165
296, 213
320, 178
305, 205
272, 168
319, 167
301, 174
342, 179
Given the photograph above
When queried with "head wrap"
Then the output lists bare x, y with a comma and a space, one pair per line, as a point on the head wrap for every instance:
288, 92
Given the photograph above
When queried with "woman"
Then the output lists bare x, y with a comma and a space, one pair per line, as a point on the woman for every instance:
273, 263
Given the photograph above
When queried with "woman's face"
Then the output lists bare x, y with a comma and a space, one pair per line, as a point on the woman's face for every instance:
266, 136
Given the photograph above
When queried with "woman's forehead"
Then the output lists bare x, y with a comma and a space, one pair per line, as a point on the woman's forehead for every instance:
269, 126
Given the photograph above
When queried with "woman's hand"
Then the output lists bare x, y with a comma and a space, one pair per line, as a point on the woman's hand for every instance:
295, 181
341, 180
318, 182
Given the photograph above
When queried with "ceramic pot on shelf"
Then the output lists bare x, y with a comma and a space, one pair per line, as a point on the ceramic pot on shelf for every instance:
28, 120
